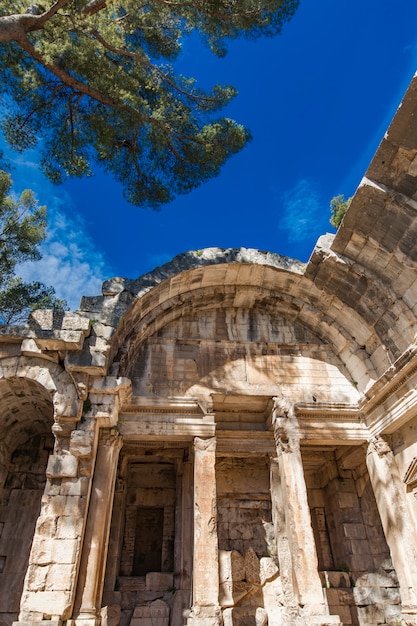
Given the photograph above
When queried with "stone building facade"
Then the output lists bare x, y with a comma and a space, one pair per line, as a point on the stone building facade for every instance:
230, 439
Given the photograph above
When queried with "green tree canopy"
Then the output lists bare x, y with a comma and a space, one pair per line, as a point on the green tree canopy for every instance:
92, 80
22, 229
338, 208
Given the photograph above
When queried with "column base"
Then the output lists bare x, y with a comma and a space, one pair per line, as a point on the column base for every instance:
205, 616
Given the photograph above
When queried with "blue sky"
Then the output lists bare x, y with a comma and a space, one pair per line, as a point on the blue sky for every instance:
317, 100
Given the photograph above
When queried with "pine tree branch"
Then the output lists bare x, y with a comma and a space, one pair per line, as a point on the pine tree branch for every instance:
66, 78
14, 27
142, 59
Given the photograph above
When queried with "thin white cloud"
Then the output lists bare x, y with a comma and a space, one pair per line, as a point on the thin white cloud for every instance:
301, 207
70, 261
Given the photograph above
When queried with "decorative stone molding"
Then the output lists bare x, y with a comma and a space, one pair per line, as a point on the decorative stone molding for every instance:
285, 426
379, 445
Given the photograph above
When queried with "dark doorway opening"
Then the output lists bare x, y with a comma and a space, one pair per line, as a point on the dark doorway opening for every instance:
148, 540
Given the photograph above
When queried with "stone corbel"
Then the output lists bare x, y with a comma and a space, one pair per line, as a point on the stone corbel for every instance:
62, 429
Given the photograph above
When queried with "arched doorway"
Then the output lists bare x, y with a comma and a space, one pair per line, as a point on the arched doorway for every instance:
26, 440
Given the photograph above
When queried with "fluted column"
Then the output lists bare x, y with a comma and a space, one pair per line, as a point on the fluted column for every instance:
93, 560
205, 610
295, 540
399, 528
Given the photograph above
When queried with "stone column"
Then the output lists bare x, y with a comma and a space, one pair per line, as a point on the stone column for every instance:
93, 560
295, 541
282, 542
398, 526
205, 610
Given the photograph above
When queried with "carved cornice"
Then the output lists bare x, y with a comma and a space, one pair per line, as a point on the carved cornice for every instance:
174, 404
392, 400
388, 404
174, 411
404, 368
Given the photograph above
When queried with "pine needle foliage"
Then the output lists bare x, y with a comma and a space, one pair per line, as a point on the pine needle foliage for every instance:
22, 229
93, 82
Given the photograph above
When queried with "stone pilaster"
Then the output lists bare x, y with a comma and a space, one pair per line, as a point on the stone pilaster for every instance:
398, 526
184, 525
93, 560
48, 592
205, 610
295, 540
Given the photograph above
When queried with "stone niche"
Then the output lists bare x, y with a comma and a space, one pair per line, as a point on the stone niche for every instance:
250, 586
139, 583
148, 538
357, 574
244, 505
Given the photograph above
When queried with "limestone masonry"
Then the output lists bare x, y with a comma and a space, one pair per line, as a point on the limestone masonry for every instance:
228, 440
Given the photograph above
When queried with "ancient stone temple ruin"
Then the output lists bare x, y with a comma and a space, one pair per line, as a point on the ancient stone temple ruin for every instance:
228, 440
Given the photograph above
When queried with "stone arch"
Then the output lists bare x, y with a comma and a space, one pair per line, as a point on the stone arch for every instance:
51, 376
276, 293
354, 311
35, 393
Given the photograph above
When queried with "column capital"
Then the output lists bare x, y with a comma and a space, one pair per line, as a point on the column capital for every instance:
285, 426
110, 437
282, 408
379, 444
205, 444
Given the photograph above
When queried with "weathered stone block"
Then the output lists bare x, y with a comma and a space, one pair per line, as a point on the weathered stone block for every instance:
252, 567
41, 552
62, 465
65, 550
55, 602
46, 526
74, 487
36, 577
44, 622
69, 527
371, 615
330, 579
159, 581
152, 614
268, 569
81, 443
63, 505
231, 593
378, 579
245, 615
61, 577
231, 566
